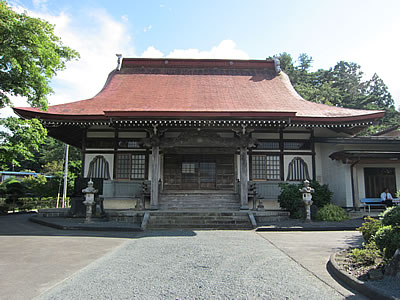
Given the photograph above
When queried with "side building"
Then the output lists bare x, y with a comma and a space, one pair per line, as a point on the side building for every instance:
212, 127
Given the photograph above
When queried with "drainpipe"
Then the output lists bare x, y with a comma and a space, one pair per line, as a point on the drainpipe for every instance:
352, 182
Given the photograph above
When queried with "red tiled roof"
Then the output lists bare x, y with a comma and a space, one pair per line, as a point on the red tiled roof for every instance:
198, 88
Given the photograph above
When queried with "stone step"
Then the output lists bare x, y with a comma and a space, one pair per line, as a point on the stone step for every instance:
198, 213
197, 219
188, 201
202, 226
221, 220
265, 220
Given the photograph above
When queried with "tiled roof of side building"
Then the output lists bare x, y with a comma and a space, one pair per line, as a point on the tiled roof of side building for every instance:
195, 88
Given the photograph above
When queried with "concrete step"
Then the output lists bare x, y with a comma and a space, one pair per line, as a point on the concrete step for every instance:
218, 201
222, 220
202, 226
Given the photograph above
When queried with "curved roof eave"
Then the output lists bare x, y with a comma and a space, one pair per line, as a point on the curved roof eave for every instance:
265, 97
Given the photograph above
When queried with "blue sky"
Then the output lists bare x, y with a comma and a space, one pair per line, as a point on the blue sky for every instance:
365, 32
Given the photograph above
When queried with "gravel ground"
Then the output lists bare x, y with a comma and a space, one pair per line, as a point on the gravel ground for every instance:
194, 265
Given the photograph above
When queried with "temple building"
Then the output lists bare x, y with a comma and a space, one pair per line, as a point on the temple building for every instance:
200, 132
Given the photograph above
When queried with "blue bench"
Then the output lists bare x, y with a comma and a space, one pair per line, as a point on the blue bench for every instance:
372, 202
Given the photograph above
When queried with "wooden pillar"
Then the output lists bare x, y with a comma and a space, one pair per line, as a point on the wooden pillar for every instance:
83, 152
314, 171
155, 175
281, 155
244, 168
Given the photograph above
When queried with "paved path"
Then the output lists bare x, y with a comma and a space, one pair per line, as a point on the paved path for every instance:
33, 258
54, 264
313, 249
195, 265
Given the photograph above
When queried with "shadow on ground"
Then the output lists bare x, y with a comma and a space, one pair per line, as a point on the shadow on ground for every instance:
18, 224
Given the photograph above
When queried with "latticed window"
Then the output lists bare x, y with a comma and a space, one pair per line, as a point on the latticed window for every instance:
266, 167
188, 168
98, 168
297, 170
130, 166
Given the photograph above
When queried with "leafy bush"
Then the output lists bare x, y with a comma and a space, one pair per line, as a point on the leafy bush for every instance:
12, 190
369, 228
3, 209
368, 255
391, 216
290, 197
322, 195
30, 203
35, 185
331, 212
387, 240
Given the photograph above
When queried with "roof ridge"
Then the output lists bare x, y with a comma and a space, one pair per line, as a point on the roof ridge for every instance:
200, 63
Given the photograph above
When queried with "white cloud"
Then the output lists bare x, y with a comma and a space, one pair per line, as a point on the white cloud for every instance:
224, 50
124, 18
97, 44
152, 52
148, 28
39, 4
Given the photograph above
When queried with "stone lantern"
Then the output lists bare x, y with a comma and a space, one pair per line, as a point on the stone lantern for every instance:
306, 191
89, 200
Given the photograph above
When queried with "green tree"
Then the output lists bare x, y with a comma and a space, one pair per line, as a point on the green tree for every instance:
19, 141
35, 185
30, 55
342, 86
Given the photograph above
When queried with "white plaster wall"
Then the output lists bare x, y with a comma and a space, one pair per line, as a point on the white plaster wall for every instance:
116, 203
336, 175
109, 157
288, 158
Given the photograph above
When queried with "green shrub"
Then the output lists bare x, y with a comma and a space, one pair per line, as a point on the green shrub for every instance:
290, 197
322, 195
331, 212
369, 228
368, 255
3, 209
35, 186
391, 216
387, 239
